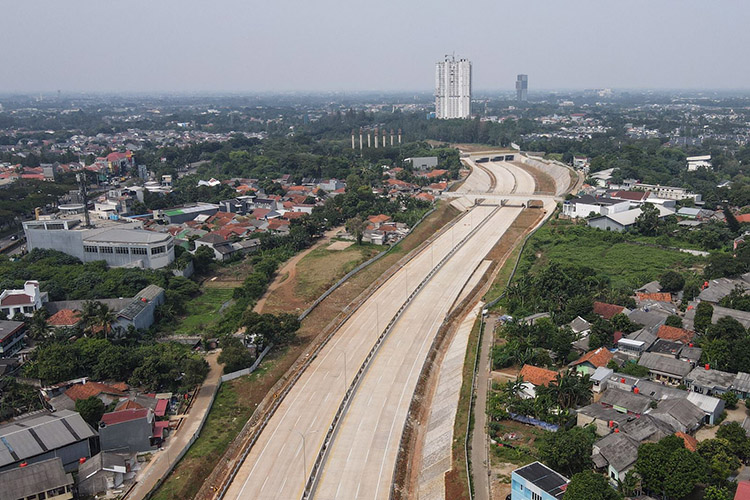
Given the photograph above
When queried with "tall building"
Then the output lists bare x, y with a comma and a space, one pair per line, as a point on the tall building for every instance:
453, 88
522, 87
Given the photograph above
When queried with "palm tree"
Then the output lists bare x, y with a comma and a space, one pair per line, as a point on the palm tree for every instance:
38, 326
105, 318
89, 315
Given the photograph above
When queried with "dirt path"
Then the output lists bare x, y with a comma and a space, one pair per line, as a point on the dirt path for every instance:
289, 270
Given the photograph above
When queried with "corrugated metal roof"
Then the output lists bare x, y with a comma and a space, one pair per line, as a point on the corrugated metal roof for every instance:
27, 437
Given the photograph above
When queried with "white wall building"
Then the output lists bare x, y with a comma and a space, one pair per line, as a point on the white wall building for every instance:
120, 243
453, 88
24, 301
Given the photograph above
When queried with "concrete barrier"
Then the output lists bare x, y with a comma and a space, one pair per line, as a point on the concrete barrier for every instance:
559, 172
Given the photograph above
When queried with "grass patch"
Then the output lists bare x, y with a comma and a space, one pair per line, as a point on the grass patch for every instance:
203, 311
321, 268
228, 414
612, 254
523, 445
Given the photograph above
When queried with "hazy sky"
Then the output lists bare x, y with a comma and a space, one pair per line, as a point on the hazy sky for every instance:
314, 45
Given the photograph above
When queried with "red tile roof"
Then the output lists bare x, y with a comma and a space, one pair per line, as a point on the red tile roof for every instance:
658, 297
673, 333
743, 491
425, 196
691, 443
128, 405
159, 428
118, 417
537, 375
742, 218
607, 311
375, 219
260, 213
85, 391
598, 357
631, 195
64, 317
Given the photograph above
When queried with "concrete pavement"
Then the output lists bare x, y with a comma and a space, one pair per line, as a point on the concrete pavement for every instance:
280, 461
479, 456
363, 454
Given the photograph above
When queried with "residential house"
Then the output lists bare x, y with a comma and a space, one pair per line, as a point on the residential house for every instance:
422, 163
623, 221
608, 311
691, 444
691, 354
624, 401
12, 334
666, 369
649, 319
140, 312
42, 435
107, 394
646, 429
585, 205
131, 430
534, 376
603, 418
741, 385
650, 287
680, 413
24, 301
580, 326
43, 480
712, 407
536, 481
592, 360
102, 472
64, 319
616, 453
717, 289
599, 379
705, 380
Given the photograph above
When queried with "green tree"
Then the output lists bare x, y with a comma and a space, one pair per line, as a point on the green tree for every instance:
735, 435
671, 281
589, 485
703, 314
38, 326
235, 356
716, 493
356, 227
732, 222
568, 451
684, 470
91, 410
730, 400
647, 223
674, 321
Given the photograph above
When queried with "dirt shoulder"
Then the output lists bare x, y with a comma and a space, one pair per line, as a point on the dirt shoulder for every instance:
545, 184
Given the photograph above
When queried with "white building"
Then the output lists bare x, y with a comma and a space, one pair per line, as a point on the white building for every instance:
120, 243
696, 162
24, 301
453, 88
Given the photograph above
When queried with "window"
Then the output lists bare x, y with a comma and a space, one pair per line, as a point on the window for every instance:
157, 250
106, 250
536, 496
122, 250
170, 245
90, 249
51, 227
139, 251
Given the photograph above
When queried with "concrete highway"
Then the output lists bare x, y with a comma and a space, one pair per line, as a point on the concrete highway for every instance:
363, 455
281, 460
508, 179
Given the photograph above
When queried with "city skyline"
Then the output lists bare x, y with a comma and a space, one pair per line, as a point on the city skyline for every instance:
173, 46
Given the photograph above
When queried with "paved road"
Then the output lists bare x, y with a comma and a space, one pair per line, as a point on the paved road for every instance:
162, 461
283, 456
363, 455
510, 178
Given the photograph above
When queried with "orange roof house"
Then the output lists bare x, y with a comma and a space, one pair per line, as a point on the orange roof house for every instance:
675, 334
536, 375
89, 389
592, 360
607, 311
691, 444
64, 318
658, 297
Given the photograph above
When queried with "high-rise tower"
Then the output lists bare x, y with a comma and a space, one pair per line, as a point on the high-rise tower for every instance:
522, 88
453, 88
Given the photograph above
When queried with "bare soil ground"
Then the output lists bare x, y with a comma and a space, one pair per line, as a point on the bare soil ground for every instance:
339, 245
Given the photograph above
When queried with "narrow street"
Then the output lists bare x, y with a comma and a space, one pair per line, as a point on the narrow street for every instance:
479, 448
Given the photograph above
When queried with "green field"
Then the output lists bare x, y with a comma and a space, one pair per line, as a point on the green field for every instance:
321, 268
203, 311
626, 262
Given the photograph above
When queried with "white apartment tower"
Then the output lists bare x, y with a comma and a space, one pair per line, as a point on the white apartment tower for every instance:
453, 88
